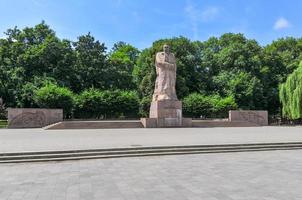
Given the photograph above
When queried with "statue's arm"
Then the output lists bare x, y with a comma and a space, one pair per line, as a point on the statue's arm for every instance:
164, 64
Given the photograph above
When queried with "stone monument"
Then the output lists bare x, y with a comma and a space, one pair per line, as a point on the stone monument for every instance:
165, 109
33, 117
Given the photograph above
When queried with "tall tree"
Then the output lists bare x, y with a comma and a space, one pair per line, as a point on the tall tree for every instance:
291, 95
30, 53
280, 59
122, 59
233, 64
91, 66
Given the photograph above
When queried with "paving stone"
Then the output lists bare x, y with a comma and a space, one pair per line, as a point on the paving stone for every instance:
16, 140
275, 175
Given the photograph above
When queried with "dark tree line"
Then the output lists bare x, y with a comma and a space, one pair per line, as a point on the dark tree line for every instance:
227, 72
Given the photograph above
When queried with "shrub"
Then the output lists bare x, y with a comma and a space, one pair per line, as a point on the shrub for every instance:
89, 104
54, 96
94, 103
197, 105
3, 123
144, 106
127, 103
221, 106
2, 110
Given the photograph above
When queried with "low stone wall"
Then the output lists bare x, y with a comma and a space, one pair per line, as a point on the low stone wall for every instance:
95, 124
32, 117
258, 117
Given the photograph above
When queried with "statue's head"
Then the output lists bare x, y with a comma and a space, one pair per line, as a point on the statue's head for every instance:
166, 48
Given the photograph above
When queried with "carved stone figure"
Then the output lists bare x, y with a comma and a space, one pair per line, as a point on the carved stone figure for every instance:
166, 76
165, 109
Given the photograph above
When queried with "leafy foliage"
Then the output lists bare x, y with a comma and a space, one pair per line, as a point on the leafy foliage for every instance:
53, 96
2, 109
144, 106
3, 123
279, 60
122, 60
291, 95
94, 103
229, 66
90, 66
199, 105
245, 88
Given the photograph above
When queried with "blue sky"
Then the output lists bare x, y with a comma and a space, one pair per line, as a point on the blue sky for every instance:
140, 22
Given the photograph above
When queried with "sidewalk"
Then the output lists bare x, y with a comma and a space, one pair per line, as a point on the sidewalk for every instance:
20, 140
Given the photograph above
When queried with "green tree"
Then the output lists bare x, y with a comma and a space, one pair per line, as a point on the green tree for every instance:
244, 87
25, 95
280, 59
122, 59
291, 95
91, 67
31, 53
54, 96
230, 52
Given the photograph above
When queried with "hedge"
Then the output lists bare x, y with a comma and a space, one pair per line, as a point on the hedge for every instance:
94, 103
54, 96
199, 105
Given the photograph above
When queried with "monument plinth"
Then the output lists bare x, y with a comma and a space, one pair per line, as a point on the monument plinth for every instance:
165, 109
168, 113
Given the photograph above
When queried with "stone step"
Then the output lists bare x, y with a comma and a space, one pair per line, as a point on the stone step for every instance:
95, 124
225, 146
142, 151
138, 124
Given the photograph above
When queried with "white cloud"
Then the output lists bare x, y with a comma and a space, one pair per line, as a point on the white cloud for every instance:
196, 16
209, 13
202, 15
281, 23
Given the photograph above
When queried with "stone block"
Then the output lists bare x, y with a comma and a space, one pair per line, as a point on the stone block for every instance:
258, 117
169, 122
166, 122
149, 122
33, 117
166, 109
186, 122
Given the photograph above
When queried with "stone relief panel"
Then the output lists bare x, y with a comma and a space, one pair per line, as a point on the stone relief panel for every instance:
33, 118
253, 116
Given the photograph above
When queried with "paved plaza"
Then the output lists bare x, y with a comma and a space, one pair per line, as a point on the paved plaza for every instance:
19, 140
274, 175
270, 175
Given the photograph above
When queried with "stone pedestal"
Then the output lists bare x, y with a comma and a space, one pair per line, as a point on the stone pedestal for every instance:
166, 113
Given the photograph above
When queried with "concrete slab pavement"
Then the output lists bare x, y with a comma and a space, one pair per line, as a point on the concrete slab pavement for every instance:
20, 140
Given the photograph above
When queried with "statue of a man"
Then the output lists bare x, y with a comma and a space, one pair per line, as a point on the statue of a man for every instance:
166, 76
